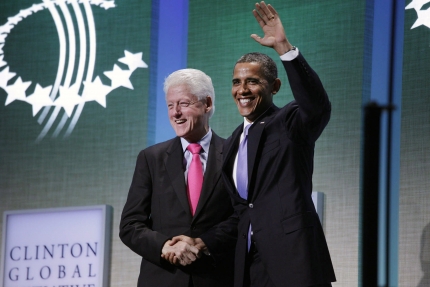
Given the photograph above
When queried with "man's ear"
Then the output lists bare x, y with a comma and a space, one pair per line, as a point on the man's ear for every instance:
208, 104
276, 86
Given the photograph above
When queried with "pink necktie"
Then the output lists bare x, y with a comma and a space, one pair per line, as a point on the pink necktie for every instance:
195, 176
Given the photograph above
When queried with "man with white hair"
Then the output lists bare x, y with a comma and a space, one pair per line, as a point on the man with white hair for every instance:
177, 189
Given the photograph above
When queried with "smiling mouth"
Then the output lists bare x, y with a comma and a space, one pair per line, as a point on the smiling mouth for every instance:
245, 101
180, 121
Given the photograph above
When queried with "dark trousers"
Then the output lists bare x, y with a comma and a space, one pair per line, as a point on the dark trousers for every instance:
256, 274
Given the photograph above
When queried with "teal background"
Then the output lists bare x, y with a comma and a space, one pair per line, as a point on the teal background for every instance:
414, 226
95, 164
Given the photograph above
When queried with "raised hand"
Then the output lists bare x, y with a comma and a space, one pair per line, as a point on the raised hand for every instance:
274, 33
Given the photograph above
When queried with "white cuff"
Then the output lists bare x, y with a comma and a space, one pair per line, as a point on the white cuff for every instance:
290, 55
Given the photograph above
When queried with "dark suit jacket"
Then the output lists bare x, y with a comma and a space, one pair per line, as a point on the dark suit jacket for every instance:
157, 209
287, 231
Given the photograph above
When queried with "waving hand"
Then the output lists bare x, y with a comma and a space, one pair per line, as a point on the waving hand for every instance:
274, 34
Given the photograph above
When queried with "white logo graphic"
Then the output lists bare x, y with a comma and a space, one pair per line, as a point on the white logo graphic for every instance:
423, 15
64, 94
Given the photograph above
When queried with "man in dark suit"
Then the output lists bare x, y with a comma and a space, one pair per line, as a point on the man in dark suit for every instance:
161, 201
268, 166
280, 238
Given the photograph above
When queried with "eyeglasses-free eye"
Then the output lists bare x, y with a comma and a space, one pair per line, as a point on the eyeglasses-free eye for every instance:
182, 104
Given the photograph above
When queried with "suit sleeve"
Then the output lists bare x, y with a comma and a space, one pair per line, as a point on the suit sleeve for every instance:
313, 106
221, 239
136, 224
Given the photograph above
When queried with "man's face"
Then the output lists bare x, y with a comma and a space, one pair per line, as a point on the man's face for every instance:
189, 122
251, 92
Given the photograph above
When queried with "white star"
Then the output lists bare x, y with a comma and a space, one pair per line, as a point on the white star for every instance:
68, 98
119, 77
108, 4
24, 13
40, 98
96, 91
6, 28
77, 1
37, 7
3, 38
5, 76
16, 91
417, 4
423, 18
96, 2
133, 61
2, 63
14, 20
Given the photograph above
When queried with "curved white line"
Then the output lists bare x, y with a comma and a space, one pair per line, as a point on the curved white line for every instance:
44, 113
48, 124
72, 45
82, 42
71, 61
60, 126
62, 40
92, 35
91, 63
61, 61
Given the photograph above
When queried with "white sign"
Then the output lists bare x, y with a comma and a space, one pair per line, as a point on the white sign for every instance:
56, 247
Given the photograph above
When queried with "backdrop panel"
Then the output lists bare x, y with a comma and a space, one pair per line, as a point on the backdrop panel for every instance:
414, 227
94, 54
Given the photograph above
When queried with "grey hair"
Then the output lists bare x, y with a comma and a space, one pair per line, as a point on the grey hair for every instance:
267, 65
199, 83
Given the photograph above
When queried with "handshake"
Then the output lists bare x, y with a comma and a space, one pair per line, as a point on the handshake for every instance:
183, 250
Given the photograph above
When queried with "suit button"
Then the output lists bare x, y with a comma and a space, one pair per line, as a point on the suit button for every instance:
244, 235
251, 205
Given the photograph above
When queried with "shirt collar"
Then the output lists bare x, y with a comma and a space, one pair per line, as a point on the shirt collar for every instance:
246, 123
204, 142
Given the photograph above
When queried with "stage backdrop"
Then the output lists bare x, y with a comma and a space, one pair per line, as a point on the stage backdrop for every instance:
64, 145
73, 115
414, 227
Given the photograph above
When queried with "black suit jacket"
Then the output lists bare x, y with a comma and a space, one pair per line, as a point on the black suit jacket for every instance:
286, 228
157, 209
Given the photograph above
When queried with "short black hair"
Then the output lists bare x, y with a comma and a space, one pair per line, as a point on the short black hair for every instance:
267, 65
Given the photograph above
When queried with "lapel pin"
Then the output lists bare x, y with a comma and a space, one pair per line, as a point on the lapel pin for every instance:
261, 123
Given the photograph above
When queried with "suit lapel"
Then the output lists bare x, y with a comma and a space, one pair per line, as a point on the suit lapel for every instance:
174, 167
213, 172
254, 141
